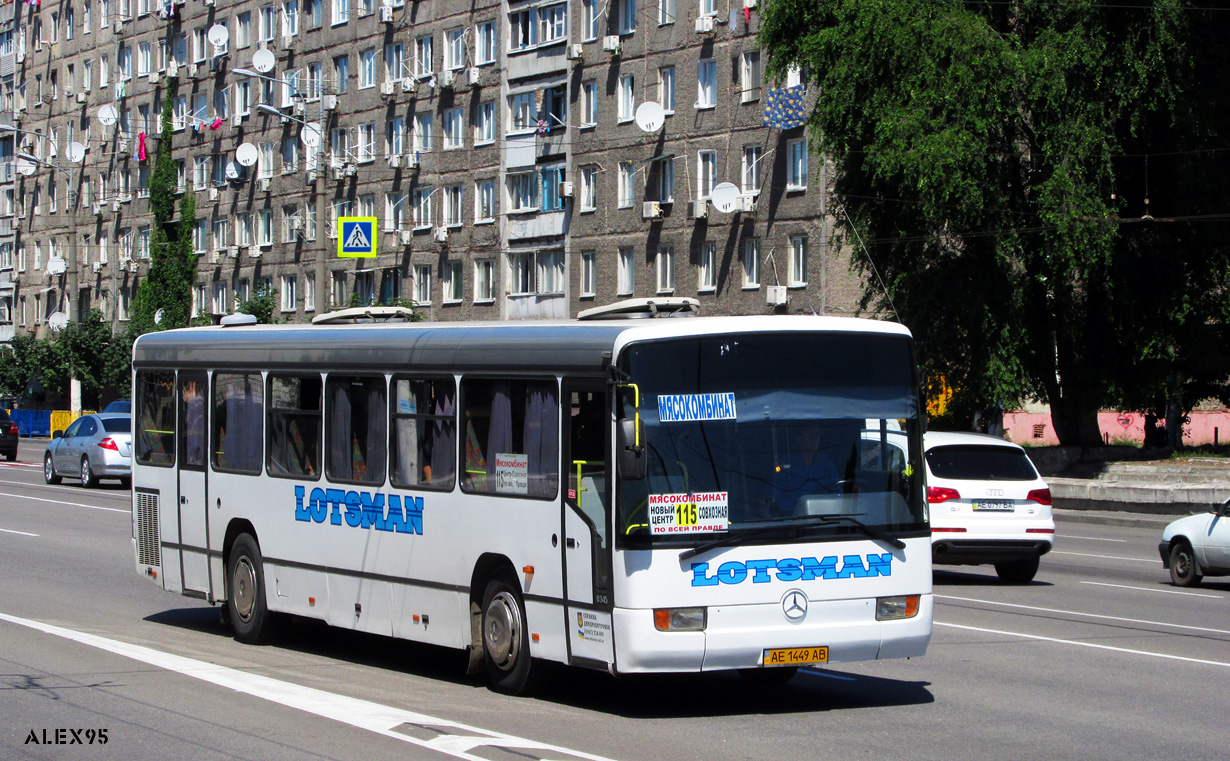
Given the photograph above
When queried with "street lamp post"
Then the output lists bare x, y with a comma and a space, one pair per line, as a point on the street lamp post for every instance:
321, 253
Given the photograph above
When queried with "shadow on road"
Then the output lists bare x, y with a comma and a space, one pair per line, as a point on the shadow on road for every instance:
637, 696
945, 578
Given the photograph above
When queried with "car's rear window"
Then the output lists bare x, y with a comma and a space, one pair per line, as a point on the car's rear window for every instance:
117, 424
979, 463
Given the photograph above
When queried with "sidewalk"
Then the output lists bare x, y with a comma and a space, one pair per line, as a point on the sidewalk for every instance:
1113, 518
1156, 491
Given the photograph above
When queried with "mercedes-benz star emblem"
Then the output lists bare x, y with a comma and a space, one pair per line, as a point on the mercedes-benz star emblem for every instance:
794, 605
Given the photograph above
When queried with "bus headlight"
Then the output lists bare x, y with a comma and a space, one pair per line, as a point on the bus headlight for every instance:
893, 608
679, 619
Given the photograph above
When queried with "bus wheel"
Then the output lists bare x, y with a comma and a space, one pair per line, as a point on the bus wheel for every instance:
506, 645
245, 597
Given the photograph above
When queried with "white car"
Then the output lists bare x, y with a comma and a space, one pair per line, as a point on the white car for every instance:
988, 505
1197, 546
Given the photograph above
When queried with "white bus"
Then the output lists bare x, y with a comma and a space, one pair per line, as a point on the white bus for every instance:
630, 495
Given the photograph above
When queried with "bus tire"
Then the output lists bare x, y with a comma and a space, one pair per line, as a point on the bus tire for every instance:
506, 642
245, 592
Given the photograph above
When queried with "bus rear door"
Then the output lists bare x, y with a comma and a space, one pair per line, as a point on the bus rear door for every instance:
193, 507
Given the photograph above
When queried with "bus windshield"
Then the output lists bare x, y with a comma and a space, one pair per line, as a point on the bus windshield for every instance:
778, 437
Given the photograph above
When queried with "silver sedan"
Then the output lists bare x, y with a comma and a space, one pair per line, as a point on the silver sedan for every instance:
94, 446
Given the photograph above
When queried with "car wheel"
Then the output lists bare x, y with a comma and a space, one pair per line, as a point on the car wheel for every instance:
506, 643
49, 470
11, 456
1183, 569
245, 593
1018, 571
88, 479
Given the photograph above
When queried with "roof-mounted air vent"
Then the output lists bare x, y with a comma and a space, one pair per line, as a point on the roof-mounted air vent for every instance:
630, 309
370, 314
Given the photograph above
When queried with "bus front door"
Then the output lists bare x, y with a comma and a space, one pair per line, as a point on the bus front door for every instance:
193, 509
586, 525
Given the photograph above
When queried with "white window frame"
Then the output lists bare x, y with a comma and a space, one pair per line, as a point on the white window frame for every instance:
706, 275
664, 266
706, 83
626, 282
798, 261
751, 263
796, 164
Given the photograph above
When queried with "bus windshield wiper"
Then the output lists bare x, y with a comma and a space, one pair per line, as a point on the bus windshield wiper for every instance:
760, 528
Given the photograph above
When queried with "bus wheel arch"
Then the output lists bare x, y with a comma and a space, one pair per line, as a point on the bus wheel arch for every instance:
246, 600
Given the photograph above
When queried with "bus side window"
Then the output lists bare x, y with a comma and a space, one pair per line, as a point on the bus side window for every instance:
154, 432
511, 437
238, 416
294, 424
423, 441
356, 432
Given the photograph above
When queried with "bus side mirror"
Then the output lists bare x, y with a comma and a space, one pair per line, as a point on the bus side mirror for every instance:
633, 465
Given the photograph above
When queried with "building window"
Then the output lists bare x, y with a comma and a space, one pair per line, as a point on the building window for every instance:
796, 165
454, 201
750, 75
627, 97
423, 66
521, 268
367, 142
627, 184
707, 161
484, 43
484, 207
454, 49
289, 293
484, 123
753, 156
666, 12
798, 261
424, 214
751, 263
454, 124
666, 179
341, 73
589, 276
589, 104
367, 69
264, 219
309, 292
707, 274
521, 111
452, 282
590, 16
627, 271
422, 284
706, 83
550, 199
341, 12
394, 210
424, 126
222, 234
550, 275
589, 188
627, 16
552, 23
522, 190
665, 265
666, 89
484, 280
220, 305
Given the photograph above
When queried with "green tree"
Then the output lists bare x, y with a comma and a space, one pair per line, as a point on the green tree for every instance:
261, 306
85, 350
172, 272
994, 159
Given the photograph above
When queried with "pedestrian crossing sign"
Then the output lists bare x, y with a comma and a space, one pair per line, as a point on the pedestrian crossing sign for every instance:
357, 237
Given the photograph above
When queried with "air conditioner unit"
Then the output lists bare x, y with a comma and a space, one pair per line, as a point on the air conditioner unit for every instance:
329, 102
448, 77
300, 108
115, 205
233, 252
611, 44
154, 76
395, 160
122, 146
209, 2
565, 190
254, 251
386, 14
117, 25
386, 87
124, 262
404, 237
215, 257
745, 203
351, 170
81, 97
288, 42
236, 120
575, 52
472, 76
775, 295
706, 24
749, 3
192, 69
651, 210
336, 173
98, 208
408, 84
698, 209
263, 184
411, 161
96, 267
213, 194
172, 68
217, 63
440, 234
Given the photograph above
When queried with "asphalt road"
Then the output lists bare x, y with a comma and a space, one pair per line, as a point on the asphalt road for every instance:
1099, 658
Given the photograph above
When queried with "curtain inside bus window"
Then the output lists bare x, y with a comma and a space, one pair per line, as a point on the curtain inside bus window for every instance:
356, 431
423, 449
294, 426
511, 437
155, 429
237, 417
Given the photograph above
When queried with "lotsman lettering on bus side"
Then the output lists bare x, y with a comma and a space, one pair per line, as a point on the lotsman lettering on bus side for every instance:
793, 569
392, 512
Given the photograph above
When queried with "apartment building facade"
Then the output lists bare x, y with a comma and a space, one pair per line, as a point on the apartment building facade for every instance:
504, 148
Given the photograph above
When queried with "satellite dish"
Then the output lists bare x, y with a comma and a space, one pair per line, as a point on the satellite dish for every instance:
725, 196
310, 134
158, 316
218, 36
246, 154
264, 60
650, 117
26, 167
108, 115
57, 321
56, 266
233, 170
76, 152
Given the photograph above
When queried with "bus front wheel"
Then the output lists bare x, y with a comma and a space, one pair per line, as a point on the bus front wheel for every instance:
506, 646
245, 598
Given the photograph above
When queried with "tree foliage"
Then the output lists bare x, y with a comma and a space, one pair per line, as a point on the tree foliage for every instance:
996, 157
86, 350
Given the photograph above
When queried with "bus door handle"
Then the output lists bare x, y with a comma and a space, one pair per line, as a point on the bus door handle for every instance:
572, 543
183, 500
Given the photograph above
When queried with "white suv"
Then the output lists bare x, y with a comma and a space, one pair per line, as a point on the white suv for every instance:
988, 505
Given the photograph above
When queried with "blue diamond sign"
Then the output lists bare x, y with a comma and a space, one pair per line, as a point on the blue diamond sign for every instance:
357, 237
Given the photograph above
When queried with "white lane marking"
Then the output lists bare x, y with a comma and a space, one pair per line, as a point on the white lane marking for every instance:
1090, 538
1105, 557
1092, 615
123, 495
72, 504
21, 465
827, 675
11, 531
1150, 589
456, 739
1085, 644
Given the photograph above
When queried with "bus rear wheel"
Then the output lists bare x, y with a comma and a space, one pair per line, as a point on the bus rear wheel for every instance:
506, 644
245, 599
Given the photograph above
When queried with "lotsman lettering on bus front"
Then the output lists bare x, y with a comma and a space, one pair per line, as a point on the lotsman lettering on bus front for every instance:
793, 569
402, 515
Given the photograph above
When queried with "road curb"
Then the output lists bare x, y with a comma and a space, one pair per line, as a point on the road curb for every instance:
1124, 520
